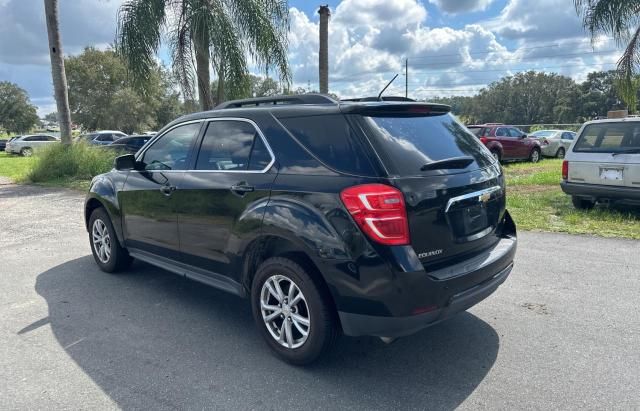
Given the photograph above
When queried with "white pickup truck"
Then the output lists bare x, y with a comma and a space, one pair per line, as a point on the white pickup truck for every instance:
603, 163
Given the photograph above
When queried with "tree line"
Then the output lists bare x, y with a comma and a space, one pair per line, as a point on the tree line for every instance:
540, 98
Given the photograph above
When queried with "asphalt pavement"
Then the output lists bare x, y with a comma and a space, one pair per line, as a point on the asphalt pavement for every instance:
562, 333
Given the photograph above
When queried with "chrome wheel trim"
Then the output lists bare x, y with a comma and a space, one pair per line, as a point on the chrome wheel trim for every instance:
27, 152
285, 311
101, 241
560, 153
495, 155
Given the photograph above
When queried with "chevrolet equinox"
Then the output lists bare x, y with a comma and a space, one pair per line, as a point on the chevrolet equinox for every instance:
375, 218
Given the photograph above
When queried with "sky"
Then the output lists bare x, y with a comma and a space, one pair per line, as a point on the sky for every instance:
453, 47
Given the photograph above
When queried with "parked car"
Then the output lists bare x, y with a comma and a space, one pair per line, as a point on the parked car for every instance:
26, 145
3, 144
130, 144
604, 163
101, 138
370, 218
554, 143
507, 143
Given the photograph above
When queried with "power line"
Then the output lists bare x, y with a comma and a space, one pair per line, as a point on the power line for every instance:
514, 69
521, 58
502, 51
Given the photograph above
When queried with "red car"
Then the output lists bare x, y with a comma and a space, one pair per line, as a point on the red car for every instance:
507, 143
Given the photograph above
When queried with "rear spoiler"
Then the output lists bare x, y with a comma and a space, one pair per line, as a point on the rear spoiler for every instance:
395, 108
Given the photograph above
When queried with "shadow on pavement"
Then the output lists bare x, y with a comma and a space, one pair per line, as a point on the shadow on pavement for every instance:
150, 339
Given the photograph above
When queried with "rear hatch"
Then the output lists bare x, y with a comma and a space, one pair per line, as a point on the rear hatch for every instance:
453, 188
607, 154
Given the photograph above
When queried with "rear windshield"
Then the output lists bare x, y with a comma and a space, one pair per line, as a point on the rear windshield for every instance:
476, 130
609, 138
408, 143
543, 133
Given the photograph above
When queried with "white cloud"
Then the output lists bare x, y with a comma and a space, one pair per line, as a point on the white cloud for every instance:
543, 20
461, 6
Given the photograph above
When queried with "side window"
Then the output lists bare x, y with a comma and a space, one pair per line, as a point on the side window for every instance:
105, 137
567, 136
514, 132
233, 146
501, 132
171, 151
32, 138
51, 138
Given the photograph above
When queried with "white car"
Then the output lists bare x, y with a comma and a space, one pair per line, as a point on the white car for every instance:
26, 145
603, 163
554, 143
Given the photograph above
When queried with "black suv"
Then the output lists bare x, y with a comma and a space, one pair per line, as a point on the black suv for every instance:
368, 218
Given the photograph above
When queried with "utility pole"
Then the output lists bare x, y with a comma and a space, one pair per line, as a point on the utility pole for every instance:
323, 63
406, 78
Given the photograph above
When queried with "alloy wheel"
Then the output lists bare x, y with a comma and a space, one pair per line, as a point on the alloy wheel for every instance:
101, 241
535, 156
285, 311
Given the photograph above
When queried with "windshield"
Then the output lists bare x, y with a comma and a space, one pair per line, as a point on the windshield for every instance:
407, 144
543, 133
609, 138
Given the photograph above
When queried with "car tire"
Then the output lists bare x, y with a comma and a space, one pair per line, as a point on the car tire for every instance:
105, 247
496, 154
26, 152
314, 307
582, 203
560, 153
534, 157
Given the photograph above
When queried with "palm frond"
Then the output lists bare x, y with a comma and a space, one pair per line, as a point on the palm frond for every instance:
263, 25
138, 35
628, 65
181, 45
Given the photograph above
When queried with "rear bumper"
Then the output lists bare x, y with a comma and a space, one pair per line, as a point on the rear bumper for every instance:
595, 192
428, 297
359, 324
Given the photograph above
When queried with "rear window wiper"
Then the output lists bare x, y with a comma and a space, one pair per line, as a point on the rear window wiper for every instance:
630, 151
453, 162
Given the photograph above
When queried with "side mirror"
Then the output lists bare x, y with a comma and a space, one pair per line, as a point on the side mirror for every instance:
125, 162
523, 135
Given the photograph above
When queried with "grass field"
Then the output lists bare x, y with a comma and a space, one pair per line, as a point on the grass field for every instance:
15, 167
536, 202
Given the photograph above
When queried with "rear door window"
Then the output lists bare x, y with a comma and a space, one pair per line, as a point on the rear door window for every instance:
232, 145
331, 139
609, 138
408, 143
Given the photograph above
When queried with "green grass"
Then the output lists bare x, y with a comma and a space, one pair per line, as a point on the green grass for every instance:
59, 166
15, 167
536, 202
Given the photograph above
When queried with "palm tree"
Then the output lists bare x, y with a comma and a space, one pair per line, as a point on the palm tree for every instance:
621, 20
57, 70
219, 33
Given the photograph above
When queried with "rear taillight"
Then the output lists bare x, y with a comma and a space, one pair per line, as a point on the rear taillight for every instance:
379, 211
565, 170
484, 140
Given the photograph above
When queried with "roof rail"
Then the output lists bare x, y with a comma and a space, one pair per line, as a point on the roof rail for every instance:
387, 98
278, 100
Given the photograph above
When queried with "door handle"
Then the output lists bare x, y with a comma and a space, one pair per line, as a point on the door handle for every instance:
167, 189
242, 188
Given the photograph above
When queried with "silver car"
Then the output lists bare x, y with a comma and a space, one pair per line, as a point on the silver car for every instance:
603, 164
554, 143
26, 145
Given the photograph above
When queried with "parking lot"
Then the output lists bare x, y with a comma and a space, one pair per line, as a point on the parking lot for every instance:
562, 332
